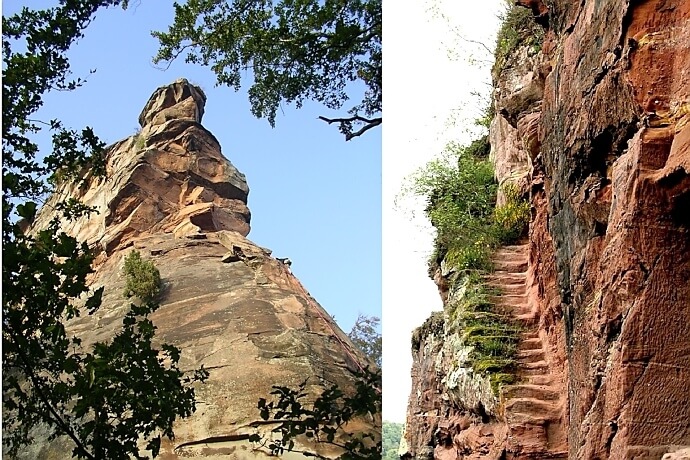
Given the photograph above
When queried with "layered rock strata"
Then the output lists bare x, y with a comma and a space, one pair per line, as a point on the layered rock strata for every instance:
227, 304
616, 154
594, 129
170, 177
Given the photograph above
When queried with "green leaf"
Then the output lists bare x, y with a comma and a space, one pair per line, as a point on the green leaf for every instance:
93, 303
27, 210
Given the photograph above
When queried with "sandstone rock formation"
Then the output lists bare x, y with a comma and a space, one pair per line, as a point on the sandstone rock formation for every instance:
169, 178
229, 305
595, 127
617, 158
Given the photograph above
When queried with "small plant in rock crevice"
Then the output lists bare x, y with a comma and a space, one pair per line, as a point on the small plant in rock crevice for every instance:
518, 28
490, 331
143, 279
512, 218
139, 140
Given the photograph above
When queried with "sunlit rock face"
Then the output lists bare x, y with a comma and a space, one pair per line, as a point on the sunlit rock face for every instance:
171, 177
227, 303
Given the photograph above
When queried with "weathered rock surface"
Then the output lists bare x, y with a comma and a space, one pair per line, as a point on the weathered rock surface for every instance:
595, 127
438, 426
171, 177
514, 131
615, 147
226, 302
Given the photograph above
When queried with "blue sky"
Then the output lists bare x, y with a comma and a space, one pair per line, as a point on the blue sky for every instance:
314, 197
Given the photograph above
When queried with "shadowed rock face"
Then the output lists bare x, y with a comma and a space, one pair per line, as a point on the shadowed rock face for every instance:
229, 305
616, 153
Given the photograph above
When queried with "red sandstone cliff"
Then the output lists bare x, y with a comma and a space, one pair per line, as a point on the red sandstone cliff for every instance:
595, 128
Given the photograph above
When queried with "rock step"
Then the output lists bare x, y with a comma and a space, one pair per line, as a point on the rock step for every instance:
530, 344
509, 299
515, 418
535, 409
513, 248
530, 356
503, 278
529, 439
530, 334
512, 289
521, 308
513, 265
539, 379
526, 319
531, 391
533, 368
510, 264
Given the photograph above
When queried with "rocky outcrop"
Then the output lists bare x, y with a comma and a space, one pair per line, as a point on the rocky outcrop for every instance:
594, 129
227, 304
615, 146
171, 177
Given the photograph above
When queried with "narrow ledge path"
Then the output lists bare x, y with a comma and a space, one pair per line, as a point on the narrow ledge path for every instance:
532, 406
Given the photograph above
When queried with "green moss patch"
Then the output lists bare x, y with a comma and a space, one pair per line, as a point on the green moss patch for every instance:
488, 329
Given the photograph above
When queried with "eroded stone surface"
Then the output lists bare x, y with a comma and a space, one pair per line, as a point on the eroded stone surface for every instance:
615, 149
608, 169
171, 177
226, 302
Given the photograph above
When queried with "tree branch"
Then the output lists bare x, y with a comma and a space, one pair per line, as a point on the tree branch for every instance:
477, 42
370, 123
64, 426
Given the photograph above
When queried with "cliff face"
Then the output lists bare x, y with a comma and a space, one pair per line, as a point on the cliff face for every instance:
226, 303
616, 151
593, 127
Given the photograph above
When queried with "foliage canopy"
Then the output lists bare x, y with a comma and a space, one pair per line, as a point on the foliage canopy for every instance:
294, 50
392, 433
367, 338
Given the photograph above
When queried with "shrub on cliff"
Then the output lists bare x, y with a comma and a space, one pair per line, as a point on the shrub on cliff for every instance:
143, 279
518, 28
461, 193
511, 218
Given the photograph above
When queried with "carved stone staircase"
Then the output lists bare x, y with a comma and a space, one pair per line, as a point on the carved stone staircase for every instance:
532, 407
